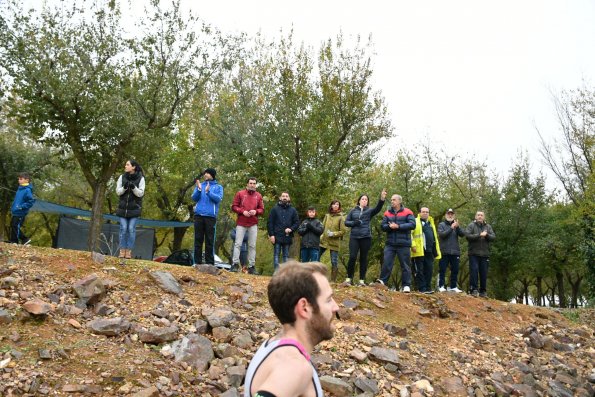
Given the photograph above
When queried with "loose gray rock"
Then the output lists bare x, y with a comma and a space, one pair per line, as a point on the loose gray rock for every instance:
158, 335
90, 290
208, 269
220, 318
367, 385
97, 257
5, 317
195, 350
395, 331
454, 386
8, 282
236, 375
382, 355
201, 326
233, 392
109, 327
167, 282
523, 390
557, 389
335, 386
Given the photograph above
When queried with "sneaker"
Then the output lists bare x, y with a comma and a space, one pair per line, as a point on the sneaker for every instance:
362, 283
406, 289
428, 292
483, 294
234, 268
455, 290
347, 281
475, 293
251, 270
379, 281
442, 289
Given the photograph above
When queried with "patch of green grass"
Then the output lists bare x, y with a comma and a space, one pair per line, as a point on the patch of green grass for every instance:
5, 349
572, 315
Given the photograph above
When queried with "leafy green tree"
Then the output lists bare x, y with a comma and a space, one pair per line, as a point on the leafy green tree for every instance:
571, 158
84, 85
295, 129
515, 211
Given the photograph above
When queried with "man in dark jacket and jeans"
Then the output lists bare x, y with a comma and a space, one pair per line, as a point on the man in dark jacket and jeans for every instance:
448, 235
310, 230
398, 222
479, 235
283, 221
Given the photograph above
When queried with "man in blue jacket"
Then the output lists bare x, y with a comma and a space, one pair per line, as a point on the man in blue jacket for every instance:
398, 222
207, 195
23, 201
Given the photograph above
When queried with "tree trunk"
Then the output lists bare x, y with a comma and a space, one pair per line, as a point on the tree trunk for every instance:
3, 228
561, 292
179, 233
539, 291
96, 216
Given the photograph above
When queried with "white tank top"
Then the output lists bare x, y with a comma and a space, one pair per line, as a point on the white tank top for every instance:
263, 352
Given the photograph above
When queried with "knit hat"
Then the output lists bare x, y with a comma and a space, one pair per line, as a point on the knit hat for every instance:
212, 172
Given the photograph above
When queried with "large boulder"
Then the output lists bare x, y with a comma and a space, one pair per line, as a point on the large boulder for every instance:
195, 350
90, 290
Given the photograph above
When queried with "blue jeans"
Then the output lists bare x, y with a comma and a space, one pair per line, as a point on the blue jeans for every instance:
454, 261
127, 232
277, 251
309, 254
404, 256
334, 257
478, 264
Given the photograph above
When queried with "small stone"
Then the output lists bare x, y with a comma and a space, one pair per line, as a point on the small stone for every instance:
74, 323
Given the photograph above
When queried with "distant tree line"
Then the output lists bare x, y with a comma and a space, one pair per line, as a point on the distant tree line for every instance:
82, 91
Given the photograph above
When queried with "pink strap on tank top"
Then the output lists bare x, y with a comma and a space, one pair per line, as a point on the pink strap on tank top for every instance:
293, 342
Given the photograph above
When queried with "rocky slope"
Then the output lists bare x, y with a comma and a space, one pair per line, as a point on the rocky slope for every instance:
72, 322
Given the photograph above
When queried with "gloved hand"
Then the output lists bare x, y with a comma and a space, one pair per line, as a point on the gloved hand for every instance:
330, 234
357, 222
126, 184
132, 185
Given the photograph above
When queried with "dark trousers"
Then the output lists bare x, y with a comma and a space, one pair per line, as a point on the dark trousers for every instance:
204, 232
424, 268
16, 232
478, 264
361, 245
454, 261
404, 256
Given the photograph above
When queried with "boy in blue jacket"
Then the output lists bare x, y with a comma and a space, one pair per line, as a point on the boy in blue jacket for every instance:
23, 201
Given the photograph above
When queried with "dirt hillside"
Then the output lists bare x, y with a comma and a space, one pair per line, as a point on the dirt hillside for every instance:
74, 323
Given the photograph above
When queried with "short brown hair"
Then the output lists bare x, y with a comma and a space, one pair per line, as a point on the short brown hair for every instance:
294, 281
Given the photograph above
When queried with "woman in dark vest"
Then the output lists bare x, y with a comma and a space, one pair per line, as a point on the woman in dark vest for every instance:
131, 189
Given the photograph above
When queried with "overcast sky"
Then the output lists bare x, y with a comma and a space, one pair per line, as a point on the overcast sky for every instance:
473, 76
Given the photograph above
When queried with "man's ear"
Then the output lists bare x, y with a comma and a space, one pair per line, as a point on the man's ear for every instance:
303, 309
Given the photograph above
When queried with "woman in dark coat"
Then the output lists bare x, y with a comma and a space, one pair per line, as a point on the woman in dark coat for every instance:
360, 239
131, 189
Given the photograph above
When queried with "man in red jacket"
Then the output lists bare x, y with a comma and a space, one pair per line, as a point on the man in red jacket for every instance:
248, 205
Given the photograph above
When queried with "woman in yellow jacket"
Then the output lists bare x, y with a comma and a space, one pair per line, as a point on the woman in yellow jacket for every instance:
425, 248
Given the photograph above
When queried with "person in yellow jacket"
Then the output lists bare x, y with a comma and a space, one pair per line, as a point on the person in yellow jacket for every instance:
424, 250
334, 229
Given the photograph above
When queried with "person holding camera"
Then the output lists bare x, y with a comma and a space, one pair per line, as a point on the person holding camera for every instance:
131, 189
360, 239
207, 195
